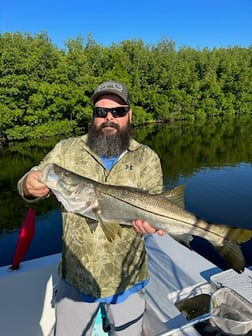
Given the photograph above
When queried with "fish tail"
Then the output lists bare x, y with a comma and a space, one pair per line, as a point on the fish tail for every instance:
231, 252
230, 249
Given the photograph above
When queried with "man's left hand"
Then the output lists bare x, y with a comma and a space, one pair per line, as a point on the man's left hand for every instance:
144, 227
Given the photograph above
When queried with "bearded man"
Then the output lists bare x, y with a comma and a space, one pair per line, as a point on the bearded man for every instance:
94, 272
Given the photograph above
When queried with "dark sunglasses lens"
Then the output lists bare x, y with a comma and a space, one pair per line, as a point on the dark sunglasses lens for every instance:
100, 112
120, 111
117, 112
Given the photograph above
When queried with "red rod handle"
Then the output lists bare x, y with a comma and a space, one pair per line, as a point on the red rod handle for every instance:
24, 239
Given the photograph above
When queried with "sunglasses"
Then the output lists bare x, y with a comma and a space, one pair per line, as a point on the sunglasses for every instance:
117, 112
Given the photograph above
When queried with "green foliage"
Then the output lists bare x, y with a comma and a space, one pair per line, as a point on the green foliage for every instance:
46, 129
45, 91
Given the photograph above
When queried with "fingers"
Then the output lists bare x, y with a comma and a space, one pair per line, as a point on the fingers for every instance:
144, 227
161, 232
33, 187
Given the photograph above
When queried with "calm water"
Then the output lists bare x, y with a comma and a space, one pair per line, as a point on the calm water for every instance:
213, 160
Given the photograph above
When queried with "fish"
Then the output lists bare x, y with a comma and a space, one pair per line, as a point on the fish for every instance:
113, 206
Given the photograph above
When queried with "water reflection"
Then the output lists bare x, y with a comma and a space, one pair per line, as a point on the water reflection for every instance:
222, 194
213, 159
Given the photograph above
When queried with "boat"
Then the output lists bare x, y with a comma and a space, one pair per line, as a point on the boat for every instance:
186, 295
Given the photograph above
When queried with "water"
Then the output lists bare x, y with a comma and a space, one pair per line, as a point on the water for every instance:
222, 194
213, 160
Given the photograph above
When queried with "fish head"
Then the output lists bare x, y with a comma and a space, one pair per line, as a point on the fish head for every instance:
68, 184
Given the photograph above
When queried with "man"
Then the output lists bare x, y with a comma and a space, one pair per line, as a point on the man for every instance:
93, 270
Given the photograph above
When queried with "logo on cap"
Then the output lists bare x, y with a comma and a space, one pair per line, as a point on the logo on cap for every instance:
116, 86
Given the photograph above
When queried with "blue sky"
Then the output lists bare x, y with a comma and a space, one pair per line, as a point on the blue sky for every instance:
190, 23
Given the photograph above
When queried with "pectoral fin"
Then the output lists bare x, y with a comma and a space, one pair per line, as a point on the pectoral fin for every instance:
110, 229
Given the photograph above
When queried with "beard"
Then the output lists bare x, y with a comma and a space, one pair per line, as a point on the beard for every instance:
106, 144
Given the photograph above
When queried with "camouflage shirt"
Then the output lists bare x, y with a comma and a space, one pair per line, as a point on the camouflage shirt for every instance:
90, 262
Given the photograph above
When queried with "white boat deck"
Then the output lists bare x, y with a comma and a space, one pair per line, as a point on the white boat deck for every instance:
176, 272
173, 268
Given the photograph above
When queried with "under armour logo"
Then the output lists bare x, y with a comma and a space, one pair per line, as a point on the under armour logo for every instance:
129, 166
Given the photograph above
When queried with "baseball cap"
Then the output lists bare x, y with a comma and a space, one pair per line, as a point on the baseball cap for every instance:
111, 87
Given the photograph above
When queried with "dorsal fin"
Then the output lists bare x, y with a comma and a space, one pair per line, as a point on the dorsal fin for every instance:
176, 195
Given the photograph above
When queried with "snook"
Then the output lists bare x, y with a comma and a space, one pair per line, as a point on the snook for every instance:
113, 205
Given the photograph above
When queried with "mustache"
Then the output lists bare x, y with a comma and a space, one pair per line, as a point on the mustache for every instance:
109, 124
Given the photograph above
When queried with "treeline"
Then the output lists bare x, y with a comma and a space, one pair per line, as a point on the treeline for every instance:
46, 91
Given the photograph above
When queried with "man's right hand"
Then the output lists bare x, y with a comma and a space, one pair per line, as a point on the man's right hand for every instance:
33, 187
